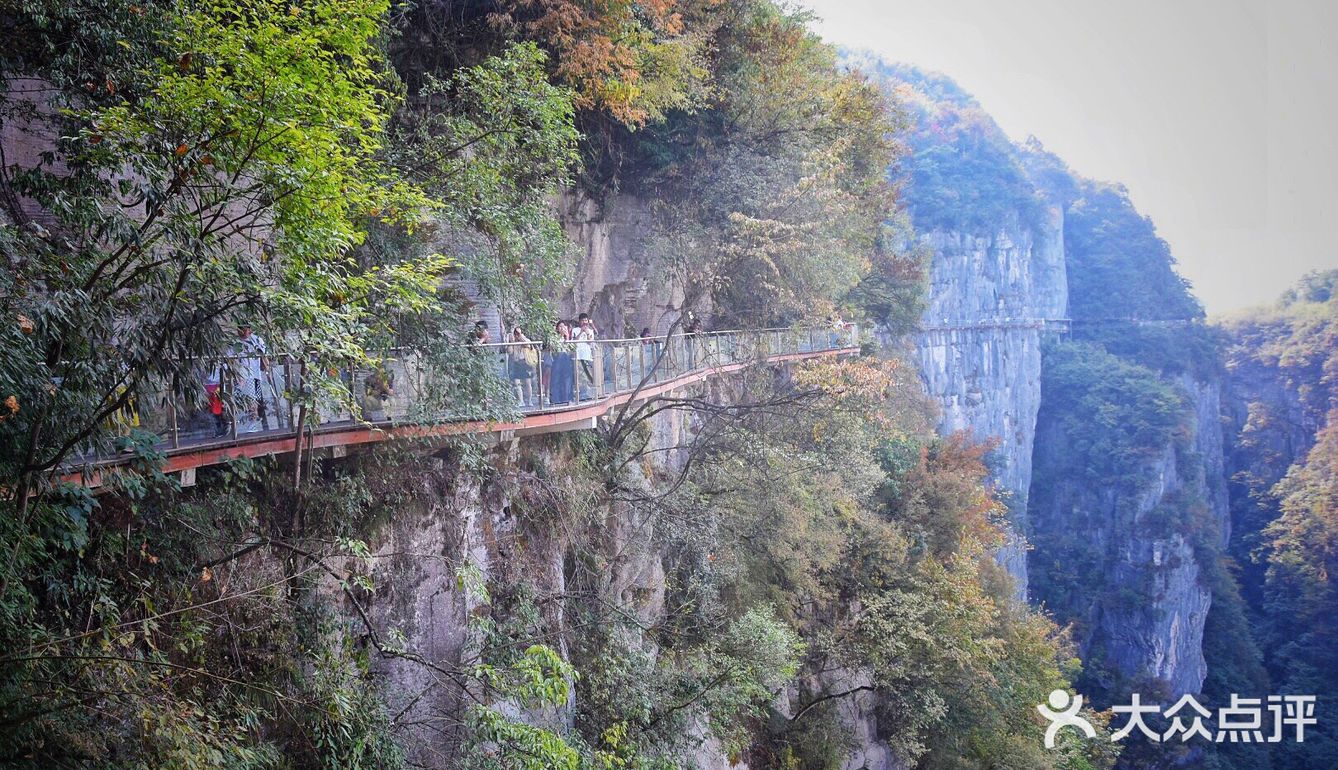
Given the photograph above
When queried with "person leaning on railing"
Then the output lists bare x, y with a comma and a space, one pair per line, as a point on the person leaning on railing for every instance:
838, 326
378, 387
522, 359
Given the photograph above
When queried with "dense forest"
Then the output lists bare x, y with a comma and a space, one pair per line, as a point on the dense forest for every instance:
324, 172
1282, 363
1176, 500
786, 566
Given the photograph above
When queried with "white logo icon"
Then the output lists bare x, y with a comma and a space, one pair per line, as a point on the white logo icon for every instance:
1065, 714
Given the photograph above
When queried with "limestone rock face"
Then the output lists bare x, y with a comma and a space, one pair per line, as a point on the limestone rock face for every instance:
454, 520
993, 301
1148, 621
616, 278
1272, 418
979, 350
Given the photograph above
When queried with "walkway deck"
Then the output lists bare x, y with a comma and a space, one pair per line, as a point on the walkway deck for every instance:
714, 354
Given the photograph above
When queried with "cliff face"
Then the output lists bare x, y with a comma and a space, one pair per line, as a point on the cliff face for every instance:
991, 215
1016, 241
616, 279
1134, 582
979, 350
618, 283
461, 533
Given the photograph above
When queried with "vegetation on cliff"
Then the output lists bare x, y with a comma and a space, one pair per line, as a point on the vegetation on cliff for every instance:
1126, 409
963, 173
1282, 363
318, 171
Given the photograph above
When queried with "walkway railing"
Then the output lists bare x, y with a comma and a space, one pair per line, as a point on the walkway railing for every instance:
246, 402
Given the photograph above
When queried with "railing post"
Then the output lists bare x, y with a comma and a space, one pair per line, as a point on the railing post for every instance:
597, 366
630, 382
172, 415
575, 377
543, 391
230, 377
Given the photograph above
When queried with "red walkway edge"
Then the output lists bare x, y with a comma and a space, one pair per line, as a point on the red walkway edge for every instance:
575, 417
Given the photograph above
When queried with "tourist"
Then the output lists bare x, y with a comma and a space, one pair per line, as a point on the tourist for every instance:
648, 357
213, 391
253, 368
838, 327
377, 390
561, 372
480, 334
522, 360
585, 335
691, 328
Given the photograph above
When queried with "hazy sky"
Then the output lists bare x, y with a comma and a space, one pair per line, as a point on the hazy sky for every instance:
1220, 116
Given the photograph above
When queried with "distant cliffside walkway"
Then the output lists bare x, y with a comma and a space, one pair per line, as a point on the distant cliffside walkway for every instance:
1060, 325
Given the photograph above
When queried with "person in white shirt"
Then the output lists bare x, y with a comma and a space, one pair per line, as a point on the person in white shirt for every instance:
253, 368
584, 335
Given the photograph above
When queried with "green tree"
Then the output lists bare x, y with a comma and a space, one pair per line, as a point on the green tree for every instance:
1300, 596
1118, 267
233, 186
773, 193
493, 144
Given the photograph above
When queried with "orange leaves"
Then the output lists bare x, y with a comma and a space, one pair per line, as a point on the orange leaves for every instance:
145, 555
9, 407
947, 497
960, 453
620, 56
861, 379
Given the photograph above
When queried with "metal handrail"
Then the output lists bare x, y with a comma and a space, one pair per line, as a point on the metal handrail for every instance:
280, 353
554, 378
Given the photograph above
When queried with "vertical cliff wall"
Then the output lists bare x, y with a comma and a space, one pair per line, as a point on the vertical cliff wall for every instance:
493, 526
979, 349
1019, 245
1130, 510
992, 219
1126, 513
617, 280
